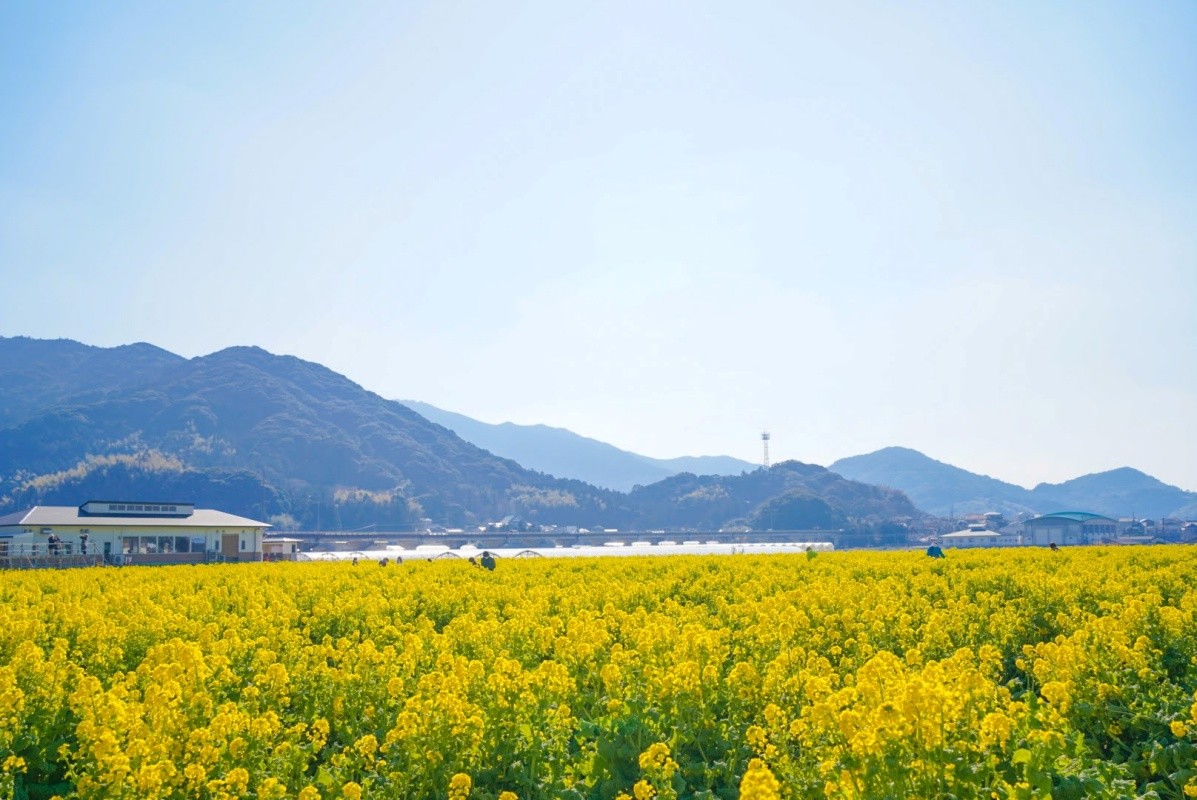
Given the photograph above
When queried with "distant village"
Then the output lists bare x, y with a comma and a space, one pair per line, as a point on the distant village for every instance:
990, 529
127, 533
1061, 528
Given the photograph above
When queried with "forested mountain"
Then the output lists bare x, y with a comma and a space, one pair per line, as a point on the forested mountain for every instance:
942, 489
566, 454
303, 428
1116, 493
712, 500
38, 374
935, 487
278, 437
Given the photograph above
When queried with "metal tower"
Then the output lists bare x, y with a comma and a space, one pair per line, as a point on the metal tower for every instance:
765, 442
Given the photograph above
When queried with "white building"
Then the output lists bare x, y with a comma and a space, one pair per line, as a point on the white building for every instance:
129, 532
980, 536
280, 548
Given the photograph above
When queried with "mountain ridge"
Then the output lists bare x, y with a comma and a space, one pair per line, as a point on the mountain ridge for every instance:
561, 452
301, 442
946, 490
311, 435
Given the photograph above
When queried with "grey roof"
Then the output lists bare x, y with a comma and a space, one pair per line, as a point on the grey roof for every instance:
966, 532
69, 515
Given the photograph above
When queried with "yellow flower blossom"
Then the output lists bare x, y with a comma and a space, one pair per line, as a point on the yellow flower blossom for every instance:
460, 786
856, 675
759, 783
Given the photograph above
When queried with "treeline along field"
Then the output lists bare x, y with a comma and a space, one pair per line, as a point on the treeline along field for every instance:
858, 675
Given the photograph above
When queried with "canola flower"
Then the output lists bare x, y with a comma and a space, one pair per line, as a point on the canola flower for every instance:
1012, 674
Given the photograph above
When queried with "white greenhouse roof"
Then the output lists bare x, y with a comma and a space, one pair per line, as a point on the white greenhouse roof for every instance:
426, 552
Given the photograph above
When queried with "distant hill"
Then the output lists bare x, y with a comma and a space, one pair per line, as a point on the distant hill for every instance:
41, 373
1116, 493
941, 489
563, 453
935, 487
302, 427
713, 500
292, 441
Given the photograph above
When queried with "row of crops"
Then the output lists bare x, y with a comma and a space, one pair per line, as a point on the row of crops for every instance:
849, 675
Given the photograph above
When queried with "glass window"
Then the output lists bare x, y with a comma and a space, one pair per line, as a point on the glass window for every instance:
182, 544
129, 545
198, 544
242, 544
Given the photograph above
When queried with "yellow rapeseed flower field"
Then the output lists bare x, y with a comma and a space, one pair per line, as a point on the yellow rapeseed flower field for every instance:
1012, 674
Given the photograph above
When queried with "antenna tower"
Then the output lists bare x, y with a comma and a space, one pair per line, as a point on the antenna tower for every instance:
765, 442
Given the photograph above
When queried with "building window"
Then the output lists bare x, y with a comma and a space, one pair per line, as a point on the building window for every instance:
242, 544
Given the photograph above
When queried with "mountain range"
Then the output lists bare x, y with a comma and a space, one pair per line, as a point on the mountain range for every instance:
290, 440
937, 488
279, 437
942, 489
558, 451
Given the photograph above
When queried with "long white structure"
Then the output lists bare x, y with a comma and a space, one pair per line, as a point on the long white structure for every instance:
433, 552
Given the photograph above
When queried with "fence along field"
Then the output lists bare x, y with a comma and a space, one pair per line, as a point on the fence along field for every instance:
853, 675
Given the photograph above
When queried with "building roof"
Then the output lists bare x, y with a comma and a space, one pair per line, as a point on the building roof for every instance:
964, 534
69, 515
1073, 516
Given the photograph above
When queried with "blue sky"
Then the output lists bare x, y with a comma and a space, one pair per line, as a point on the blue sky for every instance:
965, 228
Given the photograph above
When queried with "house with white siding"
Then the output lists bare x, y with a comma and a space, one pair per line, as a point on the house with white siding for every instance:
128, 532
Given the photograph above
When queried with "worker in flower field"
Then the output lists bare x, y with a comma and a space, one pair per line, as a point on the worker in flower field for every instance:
1052, 546
488, 561
935, 551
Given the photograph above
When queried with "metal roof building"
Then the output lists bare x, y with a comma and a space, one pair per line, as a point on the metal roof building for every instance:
1070, 527
128, 532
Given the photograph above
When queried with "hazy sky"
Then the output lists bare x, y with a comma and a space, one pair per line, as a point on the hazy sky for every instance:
967, 228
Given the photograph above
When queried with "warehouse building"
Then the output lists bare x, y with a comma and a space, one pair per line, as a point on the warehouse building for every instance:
129, 532
1070, 527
